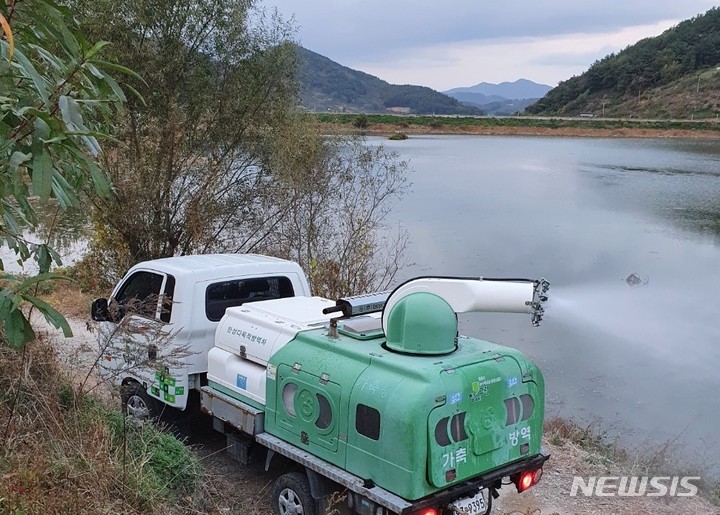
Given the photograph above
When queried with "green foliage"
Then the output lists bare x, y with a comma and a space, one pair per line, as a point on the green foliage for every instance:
55, 102
220, 159
691, 46
459, 122
361, 122
64, 451
15, 292
162, 466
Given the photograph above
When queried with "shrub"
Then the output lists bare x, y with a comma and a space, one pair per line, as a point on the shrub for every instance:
361, 122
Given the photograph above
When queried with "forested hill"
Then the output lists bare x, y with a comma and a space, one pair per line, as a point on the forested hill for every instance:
328, 86
674, 75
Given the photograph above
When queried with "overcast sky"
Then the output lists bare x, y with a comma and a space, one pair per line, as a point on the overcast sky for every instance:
455, 43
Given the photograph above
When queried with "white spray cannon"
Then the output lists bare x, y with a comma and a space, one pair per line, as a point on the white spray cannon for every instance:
481, 294
459, 295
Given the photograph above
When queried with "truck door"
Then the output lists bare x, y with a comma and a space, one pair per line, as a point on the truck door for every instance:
139, 309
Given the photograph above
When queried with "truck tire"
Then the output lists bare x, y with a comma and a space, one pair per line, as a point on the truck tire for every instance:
137, 404
291, 495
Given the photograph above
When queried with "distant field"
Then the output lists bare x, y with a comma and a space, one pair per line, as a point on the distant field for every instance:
530, 125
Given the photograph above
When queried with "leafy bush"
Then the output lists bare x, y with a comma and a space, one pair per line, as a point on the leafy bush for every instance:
361, 122
161, 465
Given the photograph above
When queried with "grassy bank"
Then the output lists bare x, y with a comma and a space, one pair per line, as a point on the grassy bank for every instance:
63, 451
606, 455
522, 125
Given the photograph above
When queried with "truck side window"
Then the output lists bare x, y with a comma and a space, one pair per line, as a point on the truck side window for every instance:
222, 295
367, 421
140, 294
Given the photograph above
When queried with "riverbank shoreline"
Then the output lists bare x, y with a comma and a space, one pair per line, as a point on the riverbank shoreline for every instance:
387, 130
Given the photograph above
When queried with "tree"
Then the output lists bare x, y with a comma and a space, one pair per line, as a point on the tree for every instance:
219, 159
339, 191
56, 100
188, 165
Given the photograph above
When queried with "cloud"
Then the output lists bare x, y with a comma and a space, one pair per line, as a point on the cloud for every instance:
361, 29
572, 59
547, 60
405, 41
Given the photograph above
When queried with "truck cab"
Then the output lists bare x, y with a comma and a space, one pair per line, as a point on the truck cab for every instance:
158, 325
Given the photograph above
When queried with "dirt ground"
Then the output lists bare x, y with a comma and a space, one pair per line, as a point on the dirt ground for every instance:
237, 489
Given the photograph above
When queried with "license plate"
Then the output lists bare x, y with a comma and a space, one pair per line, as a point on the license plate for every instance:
474, 505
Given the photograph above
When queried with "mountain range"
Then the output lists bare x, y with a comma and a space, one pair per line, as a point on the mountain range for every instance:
328, 86
673, 75
501, 99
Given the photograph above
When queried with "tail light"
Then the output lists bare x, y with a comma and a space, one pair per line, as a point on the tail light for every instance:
525, 481
537, 475
527, 478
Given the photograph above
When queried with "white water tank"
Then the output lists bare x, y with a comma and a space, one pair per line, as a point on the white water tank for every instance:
257, 330
248, 336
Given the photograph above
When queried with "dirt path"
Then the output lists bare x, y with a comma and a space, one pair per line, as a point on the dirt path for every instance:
235, 489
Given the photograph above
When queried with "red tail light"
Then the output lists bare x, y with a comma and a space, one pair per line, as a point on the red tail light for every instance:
528, 478
525, 482
429, 511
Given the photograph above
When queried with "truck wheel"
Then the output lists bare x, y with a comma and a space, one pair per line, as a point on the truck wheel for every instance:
137, 404
291, 495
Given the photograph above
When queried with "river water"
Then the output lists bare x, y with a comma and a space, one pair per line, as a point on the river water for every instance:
642, 363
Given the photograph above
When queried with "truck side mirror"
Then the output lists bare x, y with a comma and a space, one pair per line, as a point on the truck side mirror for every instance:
99, 310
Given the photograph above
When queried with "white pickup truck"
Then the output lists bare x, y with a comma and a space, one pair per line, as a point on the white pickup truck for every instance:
184, 297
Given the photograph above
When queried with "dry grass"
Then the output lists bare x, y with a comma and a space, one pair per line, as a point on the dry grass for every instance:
586, 450
602, 454
383, 129
60, 453
72, 301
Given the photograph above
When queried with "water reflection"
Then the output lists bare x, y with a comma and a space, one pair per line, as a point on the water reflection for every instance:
62, 229
676, 180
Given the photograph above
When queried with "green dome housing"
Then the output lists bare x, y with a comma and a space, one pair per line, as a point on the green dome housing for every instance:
422, 323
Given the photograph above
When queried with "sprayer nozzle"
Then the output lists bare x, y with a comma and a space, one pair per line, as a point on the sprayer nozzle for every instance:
539, 298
